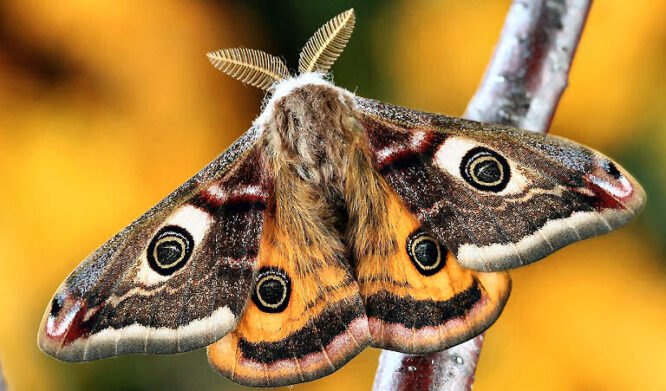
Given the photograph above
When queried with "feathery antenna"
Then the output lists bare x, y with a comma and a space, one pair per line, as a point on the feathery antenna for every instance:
324, 47
252, 67
263, 70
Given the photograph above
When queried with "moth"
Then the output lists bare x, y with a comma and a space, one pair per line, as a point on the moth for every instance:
333, 224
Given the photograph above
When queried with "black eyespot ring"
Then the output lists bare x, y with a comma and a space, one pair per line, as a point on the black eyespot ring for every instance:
426, 253
272, 290
485, 169
170, 249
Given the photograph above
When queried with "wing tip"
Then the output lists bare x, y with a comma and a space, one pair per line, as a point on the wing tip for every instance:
66, 340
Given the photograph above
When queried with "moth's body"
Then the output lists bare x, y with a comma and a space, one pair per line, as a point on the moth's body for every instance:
329, 191
335, 223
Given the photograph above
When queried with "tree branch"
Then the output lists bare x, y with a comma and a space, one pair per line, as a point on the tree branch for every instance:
529, 70
522, 87
3, 385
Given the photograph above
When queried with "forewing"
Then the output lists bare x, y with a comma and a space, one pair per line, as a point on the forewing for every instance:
497, 197
176, 279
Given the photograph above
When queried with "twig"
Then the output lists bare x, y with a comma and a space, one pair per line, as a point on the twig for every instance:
529, 70
522, 87
452, 369
3, 385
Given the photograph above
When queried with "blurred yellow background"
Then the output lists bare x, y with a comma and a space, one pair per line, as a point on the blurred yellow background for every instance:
107, 106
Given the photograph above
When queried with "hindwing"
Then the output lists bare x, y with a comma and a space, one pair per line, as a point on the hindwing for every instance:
305, 320
418, 299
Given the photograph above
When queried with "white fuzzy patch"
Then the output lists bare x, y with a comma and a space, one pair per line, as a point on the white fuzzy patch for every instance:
417, 139
387, 152
217, 192
415, 144
285, 87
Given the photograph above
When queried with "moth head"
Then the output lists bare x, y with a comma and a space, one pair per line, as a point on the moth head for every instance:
265, 71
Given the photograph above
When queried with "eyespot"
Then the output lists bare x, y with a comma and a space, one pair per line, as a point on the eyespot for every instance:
170, 249
272, 290
425, 252
485, 169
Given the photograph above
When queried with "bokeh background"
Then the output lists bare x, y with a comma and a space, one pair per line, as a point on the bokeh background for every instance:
107, 106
